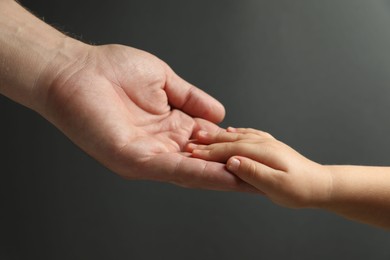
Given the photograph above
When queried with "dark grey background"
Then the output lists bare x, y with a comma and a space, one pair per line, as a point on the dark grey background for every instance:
316, 74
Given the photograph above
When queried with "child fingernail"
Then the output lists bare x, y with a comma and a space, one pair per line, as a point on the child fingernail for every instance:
202, 133
200, 153
231, 129
233, 164
192, 146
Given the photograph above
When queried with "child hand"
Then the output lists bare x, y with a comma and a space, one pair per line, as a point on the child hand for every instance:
275, 169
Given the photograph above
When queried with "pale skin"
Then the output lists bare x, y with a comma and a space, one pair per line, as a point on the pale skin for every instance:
124, 107
130, 111
286, 177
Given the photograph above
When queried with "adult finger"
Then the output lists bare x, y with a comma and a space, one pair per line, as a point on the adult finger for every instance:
191, 100
205, 125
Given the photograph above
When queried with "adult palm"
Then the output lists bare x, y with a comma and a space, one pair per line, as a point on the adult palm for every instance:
131, 112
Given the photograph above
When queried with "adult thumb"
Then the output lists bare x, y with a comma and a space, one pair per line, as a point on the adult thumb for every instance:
192, 100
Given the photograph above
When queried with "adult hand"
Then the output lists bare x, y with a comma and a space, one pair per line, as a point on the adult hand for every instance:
123, 106
131, 112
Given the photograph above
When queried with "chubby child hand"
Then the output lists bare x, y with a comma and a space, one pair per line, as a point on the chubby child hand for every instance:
275, 169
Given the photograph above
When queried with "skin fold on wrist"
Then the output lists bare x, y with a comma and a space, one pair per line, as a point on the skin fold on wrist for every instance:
28, 48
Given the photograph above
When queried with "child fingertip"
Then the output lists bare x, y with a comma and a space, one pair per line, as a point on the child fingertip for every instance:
231, 129
195, 153
191, 146
233, 164
202, 133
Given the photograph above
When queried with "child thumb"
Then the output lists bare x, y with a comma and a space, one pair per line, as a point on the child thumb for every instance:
250, 171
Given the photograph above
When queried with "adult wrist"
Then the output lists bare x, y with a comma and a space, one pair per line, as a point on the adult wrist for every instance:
28, 48
69, 56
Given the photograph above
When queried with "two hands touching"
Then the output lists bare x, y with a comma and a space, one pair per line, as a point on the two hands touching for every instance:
273, 168
129, 110
123, 106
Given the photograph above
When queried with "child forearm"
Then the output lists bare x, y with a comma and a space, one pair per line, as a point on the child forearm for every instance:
361, 193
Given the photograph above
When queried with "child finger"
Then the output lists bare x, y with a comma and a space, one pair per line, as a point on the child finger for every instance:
217, 137
249, 131
202, 154
257, 174
265, 153
192, 146
219, 152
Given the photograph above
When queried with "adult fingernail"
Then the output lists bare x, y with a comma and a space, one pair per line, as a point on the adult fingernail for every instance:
233, 164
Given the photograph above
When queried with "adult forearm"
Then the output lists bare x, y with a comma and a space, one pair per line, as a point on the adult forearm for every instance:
27, 47
361, 193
